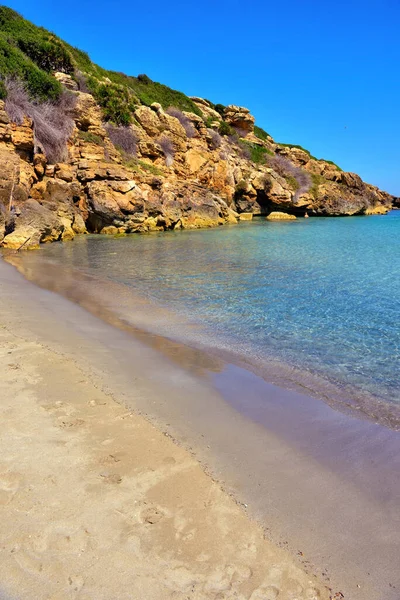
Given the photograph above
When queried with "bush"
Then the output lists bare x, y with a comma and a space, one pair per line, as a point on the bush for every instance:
123, 138
299, 180
208, 122
49, 55
220, 108
316, 182
143, 78
254, 152
52, 122
261, 133
3, 90
13, 63
215, 139
115, 100
81, 80
225, 129
90, 137
168, 149
183, 120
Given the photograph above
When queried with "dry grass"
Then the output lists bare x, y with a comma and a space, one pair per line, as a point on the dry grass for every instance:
52, 121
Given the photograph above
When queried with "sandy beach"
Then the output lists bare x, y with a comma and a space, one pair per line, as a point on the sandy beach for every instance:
124, 474
95, 502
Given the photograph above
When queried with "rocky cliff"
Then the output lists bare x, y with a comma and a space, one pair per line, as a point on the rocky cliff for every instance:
142, 166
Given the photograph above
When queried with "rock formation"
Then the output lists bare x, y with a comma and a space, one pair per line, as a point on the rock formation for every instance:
186, 169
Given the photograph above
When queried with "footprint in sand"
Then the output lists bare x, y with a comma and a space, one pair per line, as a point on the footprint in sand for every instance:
76, 582
152, 515
60, 539
28, 562
265, 593
9, 485
110, 459
70, 423
312, 594
111, 477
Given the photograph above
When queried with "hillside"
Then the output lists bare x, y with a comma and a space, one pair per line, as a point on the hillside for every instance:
83, 149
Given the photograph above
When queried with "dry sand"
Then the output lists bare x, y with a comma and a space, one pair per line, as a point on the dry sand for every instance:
96, 503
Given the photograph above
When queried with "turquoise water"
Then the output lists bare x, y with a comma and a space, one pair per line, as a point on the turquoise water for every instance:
320, 294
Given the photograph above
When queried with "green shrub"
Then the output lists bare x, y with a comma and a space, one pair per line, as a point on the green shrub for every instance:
49, 55
261, 133
140, 165
292, 181
317, 180
220, 108
3, 91
208, 122
13, 63
115, 100
90, 137
225, 129
256, 153
143, 78
330, 162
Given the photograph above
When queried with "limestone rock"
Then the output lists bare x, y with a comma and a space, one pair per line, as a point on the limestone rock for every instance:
99, 189
246, 216
376, 210
280, 216
86, 112
240, 118
65, 172
22, 136
206, 109
195, 160
148, 119
66, 80
297, 156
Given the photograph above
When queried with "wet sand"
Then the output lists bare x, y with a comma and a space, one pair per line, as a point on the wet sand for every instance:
322, 484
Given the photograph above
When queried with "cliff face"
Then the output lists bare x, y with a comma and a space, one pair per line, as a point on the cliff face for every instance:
165, 168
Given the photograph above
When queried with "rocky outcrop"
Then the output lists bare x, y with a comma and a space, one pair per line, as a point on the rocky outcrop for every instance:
179, 177
206, 110
240, 118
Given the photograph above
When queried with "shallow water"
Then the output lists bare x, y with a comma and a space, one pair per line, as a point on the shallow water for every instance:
322, 295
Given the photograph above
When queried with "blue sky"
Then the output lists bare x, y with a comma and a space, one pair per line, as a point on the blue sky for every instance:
321, 74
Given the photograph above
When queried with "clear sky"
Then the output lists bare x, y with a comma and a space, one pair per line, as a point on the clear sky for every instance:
321, 74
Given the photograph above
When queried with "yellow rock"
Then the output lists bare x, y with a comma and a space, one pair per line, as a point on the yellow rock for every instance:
280, 216
246, 216
109, 230
377, 210
195, 160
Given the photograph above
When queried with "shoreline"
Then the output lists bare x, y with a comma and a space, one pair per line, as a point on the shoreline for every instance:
130, 311
233, 446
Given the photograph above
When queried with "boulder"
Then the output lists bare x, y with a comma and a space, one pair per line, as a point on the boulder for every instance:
66, 80
206, 109
149, 120
87, 113
280, 216
22, 136
195, 159
240, 118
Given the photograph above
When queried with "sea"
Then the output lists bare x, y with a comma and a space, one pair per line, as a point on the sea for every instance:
318, 298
